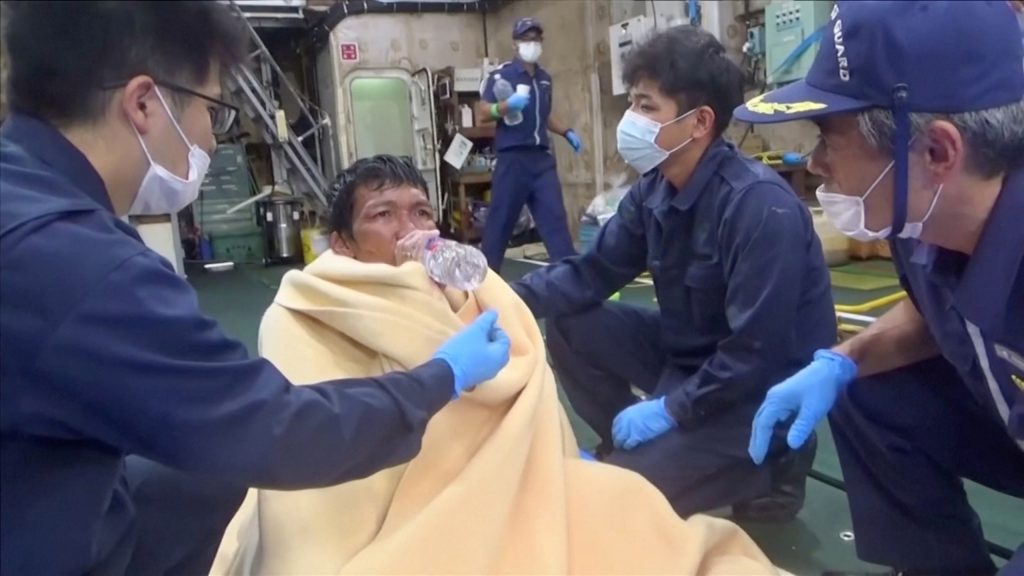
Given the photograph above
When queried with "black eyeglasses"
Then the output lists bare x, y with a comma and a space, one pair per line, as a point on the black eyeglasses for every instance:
222, 114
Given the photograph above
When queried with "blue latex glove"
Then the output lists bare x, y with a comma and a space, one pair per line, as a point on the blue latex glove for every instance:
810, 394
477, 353
584, 455
641, 422
517, 101
574, 140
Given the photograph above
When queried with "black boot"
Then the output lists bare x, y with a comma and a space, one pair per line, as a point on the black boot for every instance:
789, 484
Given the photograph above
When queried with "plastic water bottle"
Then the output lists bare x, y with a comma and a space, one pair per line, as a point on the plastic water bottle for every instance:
452, 264
503, 91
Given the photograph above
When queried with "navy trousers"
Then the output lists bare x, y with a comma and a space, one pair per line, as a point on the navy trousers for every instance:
527, 177
597, 355
178, 525
905, 439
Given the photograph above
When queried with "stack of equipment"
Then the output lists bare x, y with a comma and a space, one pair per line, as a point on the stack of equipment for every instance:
234, 237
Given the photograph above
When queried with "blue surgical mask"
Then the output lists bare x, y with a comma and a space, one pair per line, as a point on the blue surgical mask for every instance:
636, 137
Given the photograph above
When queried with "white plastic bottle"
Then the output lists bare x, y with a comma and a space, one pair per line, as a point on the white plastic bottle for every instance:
503, 91
452, 264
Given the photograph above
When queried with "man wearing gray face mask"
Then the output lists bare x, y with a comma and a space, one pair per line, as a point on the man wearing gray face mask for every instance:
131, 425
742, 288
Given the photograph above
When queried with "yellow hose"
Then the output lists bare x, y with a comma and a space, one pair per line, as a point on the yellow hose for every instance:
871, 305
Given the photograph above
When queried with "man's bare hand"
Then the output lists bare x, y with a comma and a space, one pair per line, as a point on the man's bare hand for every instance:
411, 247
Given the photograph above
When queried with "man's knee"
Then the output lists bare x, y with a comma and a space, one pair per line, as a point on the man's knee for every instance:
898, 397
180, 517
656, 461
563, 328
168, 497
219, 500
581, 326
693, 478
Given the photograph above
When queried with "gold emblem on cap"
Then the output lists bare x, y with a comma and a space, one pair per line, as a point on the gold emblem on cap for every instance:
759, 106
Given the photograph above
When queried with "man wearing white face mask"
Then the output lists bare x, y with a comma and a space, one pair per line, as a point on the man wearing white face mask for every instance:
517, 96
742, 288
922, 143
131, 426
162, 191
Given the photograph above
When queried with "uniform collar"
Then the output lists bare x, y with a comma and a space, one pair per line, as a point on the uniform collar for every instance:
684, 198
520, 67
984, 292
46, 144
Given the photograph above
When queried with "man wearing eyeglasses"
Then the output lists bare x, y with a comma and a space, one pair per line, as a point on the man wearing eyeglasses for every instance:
130, 425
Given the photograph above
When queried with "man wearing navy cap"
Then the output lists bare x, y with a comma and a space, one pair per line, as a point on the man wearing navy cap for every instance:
517, 95
921, 111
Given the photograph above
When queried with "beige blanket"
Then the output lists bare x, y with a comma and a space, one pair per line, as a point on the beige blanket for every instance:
498, 487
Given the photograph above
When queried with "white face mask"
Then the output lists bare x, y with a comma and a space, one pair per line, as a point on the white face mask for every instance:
530, 51
848, 215
161, 191
636, 137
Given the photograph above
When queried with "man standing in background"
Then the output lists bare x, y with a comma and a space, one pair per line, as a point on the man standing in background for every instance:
517, 96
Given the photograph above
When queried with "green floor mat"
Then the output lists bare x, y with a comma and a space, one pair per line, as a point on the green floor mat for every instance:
877, 267
999, 513
853, 281
237, 298
817, 540
851, 297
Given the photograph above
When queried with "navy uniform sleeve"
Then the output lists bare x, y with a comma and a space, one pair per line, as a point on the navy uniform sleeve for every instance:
136, 366
764, 236
576, 283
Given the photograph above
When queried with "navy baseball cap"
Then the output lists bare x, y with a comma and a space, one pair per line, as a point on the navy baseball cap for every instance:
918, 56
524, 25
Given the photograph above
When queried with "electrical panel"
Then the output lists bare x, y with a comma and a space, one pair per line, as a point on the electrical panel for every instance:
622, 38
787, 24
755, 41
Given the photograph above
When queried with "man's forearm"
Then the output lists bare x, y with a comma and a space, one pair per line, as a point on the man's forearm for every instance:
484, 116
899, 338
556, 125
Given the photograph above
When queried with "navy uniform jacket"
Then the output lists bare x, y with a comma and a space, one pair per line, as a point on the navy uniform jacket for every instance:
103, 353
738, 270
974, 306
532, 132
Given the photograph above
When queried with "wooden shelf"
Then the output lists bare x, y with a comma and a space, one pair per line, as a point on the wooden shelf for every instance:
468, 186
477, 132
475, 178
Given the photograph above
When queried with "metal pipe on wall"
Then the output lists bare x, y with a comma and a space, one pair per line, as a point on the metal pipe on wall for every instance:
323, 23
483, 21
596, 120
